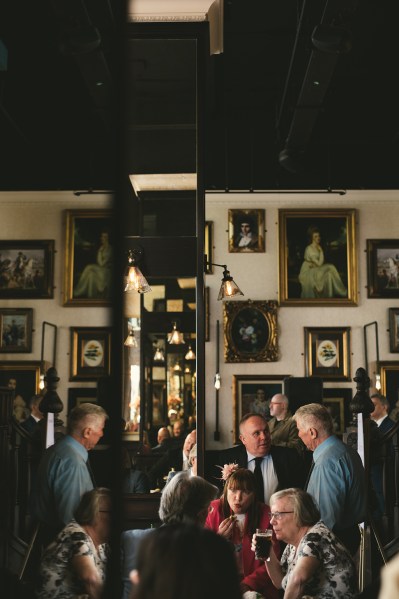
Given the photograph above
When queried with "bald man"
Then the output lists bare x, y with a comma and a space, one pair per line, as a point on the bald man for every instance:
283, 428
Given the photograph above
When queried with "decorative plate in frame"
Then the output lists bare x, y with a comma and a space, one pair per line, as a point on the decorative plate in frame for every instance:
250, 331
90, 353
327, 353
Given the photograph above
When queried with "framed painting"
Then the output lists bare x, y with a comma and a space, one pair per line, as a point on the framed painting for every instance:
317, 260
208, 247
389, 371
24, 378
327, 353
16, 330
246, 230
383, 268
79, 395
252, 393
90, 353
26, 269
250, 331
394, 330
88, 258
337, 401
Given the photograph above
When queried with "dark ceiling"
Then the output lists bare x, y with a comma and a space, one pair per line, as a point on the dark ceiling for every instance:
76, 103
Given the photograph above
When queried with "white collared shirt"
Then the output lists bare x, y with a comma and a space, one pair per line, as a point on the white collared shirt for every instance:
270, 480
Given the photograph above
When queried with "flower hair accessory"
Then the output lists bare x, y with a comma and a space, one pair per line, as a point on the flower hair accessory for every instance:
227, 470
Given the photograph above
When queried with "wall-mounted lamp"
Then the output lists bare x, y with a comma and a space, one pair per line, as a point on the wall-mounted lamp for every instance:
135, 280
190, 355
228, 287
175, 337
218, 381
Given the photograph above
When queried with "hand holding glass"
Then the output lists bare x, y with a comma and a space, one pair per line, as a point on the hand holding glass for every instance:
263, 538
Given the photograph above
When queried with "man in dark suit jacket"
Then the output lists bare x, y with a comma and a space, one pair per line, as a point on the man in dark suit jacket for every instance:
176, 458
380, 413
282, 467
36, 415
384, 424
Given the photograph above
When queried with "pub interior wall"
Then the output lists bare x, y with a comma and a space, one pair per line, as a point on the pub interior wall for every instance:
257, 275
41, 215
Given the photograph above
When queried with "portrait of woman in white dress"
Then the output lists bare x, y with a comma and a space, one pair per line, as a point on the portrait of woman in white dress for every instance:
318, 278
95, 280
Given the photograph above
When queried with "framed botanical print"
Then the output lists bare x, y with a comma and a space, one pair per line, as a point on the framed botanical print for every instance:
88, 258
327, 353
383, 268
26, 269
252, 393
90, 353
16, 330
250, 331
394, 330
317, 260
247, 230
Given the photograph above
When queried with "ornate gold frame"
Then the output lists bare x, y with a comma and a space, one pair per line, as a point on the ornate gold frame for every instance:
261, 346
293, 225
256, 215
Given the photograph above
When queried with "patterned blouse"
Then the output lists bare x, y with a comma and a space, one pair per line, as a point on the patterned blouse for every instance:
57, 580
336, 576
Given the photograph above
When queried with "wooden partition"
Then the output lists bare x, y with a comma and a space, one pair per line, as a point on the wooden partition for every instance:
141, 510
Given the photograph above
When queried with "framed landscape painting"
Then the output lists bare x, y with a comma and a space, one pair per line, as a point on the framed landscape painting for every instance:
383, 268
88, 258
317, 260
26, 269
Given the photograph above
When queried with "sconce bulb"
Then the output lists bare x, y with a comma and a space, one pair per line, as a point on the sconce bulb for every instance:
41, 382
136, 281
218, 381
378, 382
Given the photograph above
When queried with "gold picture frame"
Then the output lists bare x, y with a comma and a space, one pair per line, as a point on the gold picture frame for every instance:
317, 259
389, 371
208, 247
90, 353
88, 258
250, 331
327, 353
250, 239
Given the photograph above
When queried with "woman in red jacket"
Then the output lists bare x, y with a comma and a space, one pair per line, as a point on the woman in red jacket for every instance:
235, 516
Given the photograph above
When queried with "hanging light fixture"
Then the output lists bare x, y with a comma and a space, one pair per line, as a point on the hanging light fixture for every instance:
131, 340
135, 280
228, 287
175, 337
159, 355
190, 355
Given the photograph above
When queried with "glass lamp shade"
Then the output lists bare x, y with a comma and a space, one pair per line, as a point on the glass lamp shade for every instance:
228, 287
190, 355
136, 281
159, 356
131, 340
175, 337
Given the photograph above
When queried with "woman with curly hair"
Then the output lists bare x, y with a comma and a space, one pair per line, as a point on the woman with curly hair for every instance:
236, 516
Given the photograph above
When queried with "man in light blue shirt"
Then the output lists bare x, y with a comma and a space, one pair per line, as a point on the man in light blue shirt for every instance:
63, 475
337, 477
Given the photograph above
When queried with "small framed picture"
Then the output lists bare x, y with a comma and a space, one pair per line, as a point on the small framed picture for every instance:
23, 377
327, 353
250, 331
246, 230
394, 330
16, 330
26, 269
383, 268
337, 401
252, 393
79, 395
90, 353
317, 258
389, 371
88, 258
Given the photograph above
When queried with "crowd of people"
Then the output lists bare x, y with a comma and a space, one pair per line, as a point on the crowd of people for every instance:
208, 529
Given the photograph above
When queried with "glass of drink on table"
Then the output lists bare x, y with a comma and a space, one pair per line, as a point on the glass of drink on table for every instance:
263, 538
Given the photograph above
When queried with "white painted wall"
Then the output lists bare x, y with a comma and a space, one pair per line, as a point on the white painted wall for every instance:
41, 215
257, 276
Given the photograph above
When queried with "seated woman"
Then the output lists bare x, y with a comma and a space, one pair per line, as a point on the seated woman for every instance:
235, 516
314, 563
74, 564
